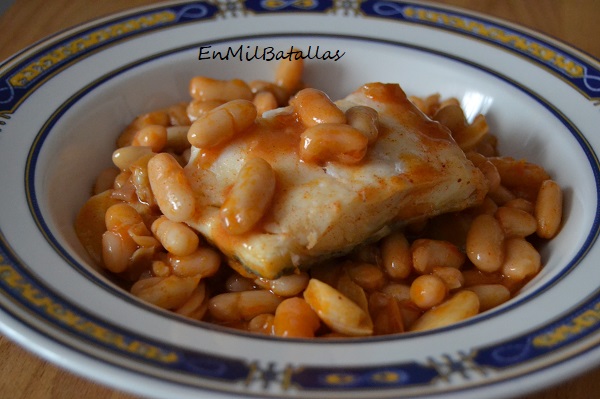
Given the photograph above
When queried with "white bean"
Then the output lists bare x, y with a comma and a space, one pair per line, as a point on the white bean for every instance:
244, 305
461, 306
249, 197
337, 311
171, 188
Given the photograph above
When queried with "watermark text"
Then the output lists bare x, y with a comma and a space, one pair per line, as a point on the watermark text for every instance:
269, 53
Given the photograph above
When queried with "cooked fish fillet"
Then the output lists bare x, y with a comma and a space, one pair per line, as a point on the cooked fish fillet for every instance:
413, 170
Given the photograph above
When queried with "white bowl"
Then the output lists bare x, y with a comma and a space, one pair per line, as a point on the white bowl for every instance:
66, 110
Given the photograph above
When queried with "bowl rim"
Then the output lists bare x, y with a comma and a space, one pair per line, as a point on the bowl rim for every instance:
6, 249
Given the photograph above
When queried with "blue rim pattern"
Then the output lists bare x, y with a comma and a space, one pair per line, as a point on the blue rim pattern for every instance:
581, 74
22, 287
23, 78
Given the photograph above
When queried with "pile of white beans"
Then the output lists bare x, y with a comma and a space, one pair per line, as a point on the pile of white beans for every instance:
431, 274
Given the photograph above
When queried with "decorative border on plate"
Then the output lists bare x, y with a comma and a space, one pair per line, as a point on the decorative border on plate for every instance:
17, 83
15, 281
579, 73
23, 78
33, 298
401, 376
582, 75
579, 325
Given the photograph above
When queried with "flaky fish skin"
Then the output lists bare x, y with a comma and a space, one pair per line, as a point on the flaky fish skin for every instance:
414, 170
